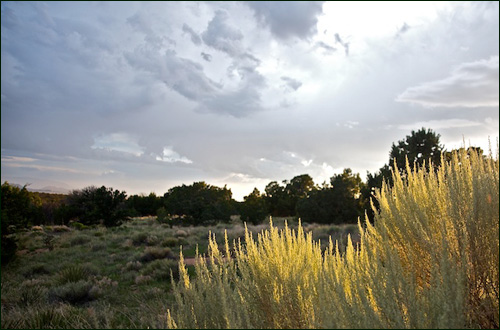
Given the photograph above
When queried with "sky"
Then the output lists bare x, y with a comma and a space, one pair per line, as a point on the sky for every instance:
145, 96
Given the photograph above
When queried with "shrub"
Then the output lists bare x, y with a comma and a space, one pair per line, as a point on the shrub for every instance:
9, 240
430, 260
181, 233
32, 294
98, 247
79, 240
163, 217
74, 292
75, 273
170, 242
153, 253
42, 318
139, 238
35, 269
62, 229
78, 225
132, 265
160, 270
141, 279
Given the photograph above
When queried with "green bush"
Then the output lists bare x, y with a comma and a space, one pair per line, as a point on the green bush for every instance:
41, 318
160, 270
170, 242
75, 273
162, 216
153, 253
79, 240
32, 295
430, 260
74, 292
78, 225
9, 239
139, 238
35, 269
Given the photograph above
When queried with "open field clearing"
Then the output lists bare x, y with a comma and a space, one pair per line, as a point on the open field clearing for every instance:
110, 277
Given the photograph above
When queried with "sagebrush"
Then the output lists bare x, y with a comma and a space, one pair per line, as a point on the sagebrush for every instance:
430, 260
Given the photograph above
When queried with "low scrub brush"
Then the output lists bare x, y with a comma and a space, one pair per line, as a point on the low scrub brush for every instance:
430, 260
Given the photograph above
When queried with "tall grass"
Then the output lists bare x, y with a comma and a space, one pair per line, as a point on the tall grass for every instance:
430, 260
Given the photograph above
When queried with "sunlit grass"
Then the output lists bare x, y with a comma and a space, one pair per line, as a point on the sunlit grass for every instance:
429, 261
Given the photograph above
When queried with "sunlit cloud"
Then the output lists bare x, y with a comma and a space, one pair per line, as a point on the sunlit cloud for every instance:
121, 142
170, 156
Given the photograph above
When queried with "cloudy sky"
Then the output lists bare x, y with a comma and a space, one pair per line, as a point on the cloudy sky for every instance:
145, 96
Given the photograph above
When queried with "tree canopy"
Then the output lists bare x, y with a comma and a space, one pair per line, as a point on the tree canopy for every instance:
200, 202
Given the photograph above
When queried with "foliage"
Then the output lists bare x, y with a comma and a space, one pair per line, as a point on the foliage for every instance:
419, 147
200, 203
430, 260
282, 200
140, 205
51, 207
18, 211
163, 217
154, 253
338, 203
9, 240
74, 292
92, 206
74, 273
253, 209
20, 206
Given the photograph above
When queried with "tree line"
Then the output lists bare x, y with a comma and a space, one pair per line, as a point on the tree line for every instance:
342, 200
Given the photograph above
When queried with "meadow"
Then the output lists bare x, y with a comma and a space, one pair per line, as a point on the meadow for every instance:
117, 277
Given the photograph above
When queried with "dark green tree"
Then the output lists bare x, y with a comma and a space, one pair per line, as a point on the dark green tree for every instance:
141, 205
282, 200
20, 209
200, 203
340, 202
23, 208
419, 147
93, 206
276, 199
253, 209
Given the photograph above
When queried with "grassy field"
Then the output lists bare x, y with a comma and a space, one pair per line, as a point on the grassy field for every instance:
111, 277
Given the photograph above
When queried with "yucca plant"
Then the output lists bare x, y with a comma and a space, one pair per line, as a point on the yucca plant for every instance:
430, 260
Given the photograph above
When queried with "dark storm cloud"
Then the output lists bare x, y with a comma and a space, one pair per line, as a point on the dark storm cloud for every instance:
288, 19
195, 38
182, 75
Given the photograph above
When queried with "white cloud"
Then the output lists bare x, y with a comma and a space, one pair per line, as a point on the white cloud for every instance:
440, 124
170, 156
121, 142
472, 84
